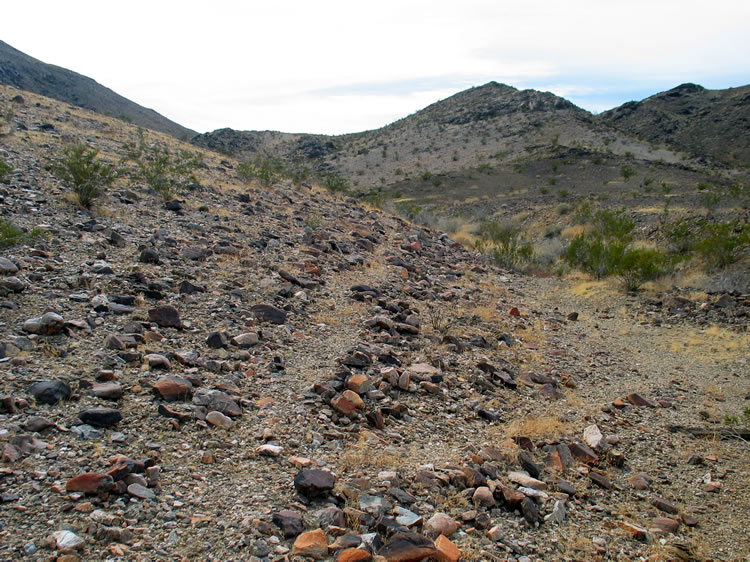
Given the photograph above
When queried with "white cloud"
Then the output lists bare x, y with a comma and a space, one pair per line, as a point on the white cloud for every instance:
277, 64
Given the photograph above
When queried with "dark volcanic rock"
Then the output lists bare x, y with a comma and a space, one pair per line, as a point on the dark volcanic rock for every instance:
219, 401
165, 316
49, 392
48, 324
313, 482
149, 255
100, 416
269, 313
407, 547
290, 522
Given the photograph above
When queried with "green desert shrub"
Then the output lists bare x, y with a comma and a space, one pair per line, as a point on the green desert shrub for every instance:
5, 169
86, 176
333, 181
10, 234
722, 243
637, 266
606, 249
505, 244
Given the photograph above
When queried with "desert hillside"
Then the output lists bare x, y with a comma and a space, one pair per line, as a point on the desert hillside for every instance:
201, 366
21, 71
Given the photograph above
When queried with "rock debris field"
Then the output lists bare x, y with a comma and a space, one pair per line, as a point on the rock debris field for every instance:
248, 373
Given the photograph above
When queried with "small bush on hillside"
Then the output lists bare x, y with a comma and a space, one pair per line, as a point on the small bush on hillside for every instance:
5, 169
334, 181
161, 169
681, 236
83, 173
505, 244
637, 266
722, 244
627, 172
595, 254
605, 250
266, 169
10, 234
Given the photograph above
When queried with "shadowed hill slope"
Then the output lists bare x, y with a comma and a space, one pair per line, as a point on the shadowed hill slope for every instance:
27, 73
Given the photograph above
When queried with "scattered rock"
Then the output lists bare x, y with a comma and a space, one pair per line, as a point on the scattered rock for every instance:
314, 483
290, 522
311, 544
269, 313
90, 483
407, 547
49, 324
49, 392
165, 317
100, 416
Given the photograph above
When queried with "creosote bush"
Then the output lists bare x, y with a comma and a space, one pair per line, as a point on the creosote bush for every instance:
723, 243
86, 175
605, 249
10, 234
505, 244
162, 170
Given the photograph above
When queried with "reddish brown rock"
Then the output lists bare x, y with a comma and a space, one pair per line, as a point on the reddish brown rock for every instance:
441, 524
600, 480
689, 520
639, 481
483, 496
583, 453
638, 533
311, 544
446, 550
342, 405
173, 389
664, 505
665, 524
158, 361
359, 383
107, 390
354, 555
512, 498
90, 483
638, 400
290, 522
313, 482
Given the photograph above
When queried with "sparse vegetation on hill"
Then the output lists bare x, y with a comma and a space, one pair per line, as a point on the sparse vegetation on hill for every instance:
86, 176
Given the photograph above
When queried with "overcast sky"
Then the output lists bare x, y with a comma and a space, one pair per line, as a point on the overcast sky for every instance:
345, 66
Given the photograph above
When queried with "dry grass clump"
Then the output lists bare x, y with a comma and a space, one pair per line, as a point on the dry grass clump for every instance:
364, 453
537, 427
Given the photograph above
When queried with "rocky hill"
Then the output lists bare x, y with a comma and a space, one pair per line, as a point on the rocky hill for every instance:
250, 373
710, 124
24, 72
476, 151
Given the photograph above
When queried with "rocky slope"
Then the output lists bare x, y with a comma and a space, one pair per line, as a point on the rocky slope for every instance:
19, 70
710, 124
270, 374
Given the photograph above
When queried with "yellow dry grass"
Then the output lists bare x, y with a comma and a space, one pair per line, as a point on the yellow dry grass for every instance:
712, 344
365, 453
537, 427
572, 231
